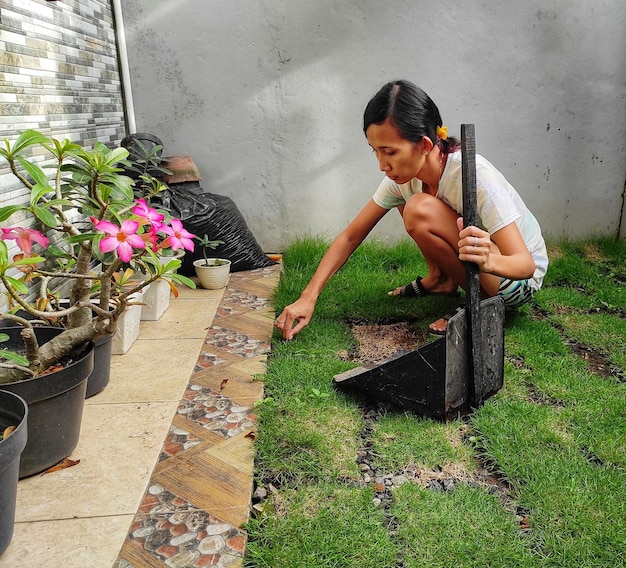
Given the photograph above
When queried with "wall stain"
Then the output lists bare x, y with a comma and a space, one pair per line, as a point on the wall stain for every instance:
184, 103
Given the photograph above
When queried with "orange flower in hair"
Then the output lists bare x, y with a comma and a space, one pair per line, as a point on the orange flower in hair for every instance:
442, 132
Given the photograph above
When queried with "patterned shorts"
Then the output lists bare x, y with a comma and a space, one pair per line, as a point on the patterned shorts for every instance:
515, 292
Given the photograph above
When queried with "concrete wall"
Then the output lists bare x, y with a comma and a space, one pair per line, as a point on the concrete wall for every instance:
267, 96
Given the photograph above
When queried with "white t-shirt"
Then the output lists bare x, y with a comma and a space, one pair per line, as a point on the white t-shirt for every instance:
498, 204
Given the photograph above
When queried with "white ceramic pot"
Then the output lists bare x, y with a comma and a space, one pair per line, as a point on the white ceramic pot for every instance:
156, 299
157, 296
214, 275
128, 325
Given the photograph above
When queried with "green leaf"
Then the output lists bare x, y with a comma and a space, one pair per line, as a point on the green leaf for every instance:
6, 212
4, 257
28, 138
124, 186
17, 284
39, 190
172, 265
61, 149
104, 192
82, 237
27, 260
45, 216
95, 249
180, 279
34, 171
57, 252
117, 155
14, 357
76, 169
57, 202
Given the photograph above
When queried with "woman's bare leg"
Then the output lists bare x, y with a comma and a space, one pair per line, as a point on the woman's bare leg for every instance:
433, 226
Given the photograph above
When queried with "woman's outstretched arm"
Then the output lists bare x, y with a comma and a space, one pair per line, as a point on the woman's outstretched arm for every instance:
297, 315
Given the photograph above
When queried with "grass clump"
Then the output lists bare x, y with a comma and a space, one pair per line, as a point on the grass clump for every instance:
467, 527
538, 473
322, 525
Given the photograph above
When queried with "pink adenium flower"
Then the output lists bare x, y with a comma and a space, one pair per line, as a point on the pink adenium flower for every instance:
178, 236
151, 237
123, 239
141, 209
24, 238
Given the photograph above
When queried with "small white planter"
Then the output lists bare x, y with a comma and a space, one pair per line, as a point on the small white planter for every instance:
157, 296
156, 299
128, 325
212, 276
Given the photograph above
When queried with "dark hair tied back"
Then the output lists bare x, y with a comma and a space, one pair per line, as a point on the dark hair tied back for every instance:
410, 110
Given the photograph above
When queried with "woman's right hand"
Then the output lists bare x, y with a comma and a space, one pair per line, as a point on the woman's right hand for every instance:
295, 317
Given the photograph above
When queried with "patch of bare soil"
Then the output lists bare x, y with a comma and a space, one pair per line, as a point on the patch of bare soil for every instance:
597, 362
376, 343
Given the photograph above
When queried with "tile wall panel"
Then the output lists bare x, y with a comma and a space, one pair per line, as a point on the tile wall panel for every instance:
59, 73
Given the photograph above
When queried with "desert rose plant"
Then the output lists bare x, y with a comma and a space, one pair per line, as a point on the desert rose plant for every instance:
83, 231
207, 244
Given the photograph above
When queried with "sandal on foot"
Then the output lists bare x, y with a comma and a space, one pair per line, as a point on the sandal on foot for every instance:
440, 331
446, 318
416, 290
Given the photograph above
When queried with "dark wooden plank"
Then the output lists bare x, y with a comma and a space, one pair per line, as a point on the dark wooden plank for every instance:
470, 217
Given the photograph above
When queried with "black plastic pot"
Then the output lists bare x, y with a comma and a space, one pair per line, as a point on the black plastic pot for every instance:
101, 373
55, 404
13, 412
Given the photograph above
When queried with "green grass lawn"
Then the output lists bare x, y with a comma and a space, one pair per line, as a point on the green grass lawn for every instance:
538, 473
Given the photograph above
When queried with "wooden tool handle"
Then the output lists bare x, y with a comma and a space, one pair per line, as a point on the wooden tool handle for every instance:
472, 276
470, 209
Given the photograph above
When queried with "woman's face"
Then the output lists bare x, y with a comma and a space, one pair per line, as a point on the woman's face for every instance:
399, 159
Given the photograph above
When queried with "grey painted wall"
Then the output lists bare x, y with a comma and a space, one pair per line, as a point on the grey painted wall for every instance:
267, 97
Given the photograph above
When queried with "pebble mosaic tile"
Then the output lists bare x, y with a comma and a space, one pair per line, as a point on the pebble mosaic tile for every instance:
180, 535
215, 412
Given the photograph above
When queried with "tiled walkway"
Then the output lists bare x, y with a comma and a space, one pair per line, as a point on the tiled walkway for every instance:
199, 494
166, 450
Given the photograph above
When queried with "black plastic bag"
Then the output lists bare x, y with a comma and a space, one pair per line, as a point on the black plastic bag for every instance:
204, 213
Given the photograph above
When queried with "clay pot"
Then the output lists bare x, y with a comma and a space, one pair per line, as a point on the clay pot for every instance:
183, 169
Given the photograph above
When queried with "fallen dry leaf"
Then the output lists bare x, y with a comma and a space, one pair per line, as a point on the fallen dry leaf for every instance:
7, 432
62, 465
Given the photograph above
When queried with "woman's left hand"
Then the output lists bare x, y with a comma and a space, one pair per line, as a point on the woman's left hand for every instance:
474, 245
